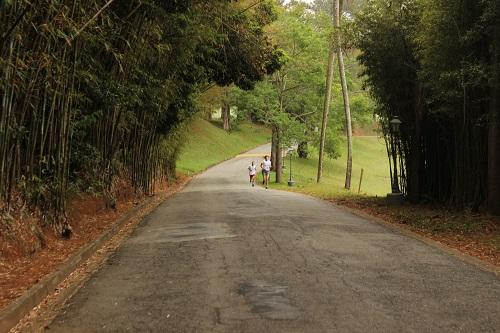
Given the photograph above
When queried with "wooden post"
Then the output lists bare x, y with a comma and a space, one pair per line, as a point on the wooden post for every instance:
360, 180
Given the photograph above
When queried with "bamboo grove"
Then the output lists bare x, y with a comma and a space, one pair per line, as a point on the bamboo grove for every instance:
434, 64
95, 90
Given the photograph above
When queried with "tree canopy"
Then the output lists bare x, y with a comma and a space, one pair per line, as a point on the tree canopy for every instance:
434, 64
93, 90
290, 100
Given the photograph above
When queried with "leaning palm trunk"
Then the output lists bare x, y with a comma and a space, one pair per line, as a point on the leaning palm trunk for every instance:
345, 95
326, 107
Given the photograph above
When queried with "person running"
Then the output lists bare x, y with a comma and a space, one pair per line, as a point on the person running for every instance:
252, 172
266, 169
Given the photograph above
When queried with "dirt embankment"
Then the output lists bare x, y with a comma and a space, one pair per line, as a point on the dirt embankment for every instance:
29, 251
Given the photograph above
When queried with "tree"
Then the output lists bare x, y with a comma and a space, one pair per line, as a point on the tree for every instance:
326, 104
388, 56
226, 111
345, 94
288, 100
491, 17
434, 64
102, 89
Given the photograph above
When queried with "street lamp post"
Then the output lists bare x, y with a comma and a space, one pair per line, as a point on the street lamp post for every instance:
283, 155
290, 181
395, 197
395, 124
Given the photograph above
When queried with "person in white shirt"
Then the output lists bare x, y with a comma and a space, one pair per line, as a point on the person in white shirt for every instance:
252, 172
266, 169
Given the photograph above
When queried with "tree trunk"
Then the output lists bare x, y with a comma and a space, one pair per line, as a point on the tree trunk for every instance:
279, 159
302, 150
209, 113
326, 107
345, 95
226, 115
274, 148
494, 156
416, 148
494, 135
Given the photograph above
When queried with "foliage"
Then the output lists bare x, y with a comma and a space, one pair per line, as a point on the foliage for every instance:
291, 99
431, 63
93, 90
348, 6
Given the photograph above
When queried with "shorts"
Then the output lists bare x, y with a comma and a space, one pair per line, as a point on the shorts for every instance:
266, 172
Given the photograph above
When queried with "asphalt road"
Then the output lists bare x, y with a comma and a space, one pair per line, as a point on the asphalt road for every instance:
222, 256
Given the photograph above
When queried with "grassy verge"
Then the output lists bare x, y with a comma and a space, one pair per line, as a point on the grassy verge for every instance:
209, 144
369, 155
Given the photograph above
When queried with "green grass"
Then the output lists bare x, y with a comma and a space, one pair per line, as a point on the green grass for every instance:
208, 144
368, 153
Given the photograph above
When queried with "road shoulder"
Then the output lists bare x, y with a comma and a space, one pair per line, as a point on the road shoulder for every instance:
36, 306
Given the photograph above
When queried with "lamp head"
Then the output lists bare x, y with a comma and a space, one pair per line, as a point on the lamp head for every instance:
395, 124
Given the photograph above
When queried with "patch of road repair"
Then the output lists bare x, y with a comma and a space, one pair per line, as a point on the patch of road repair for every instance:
184, 232
269, 300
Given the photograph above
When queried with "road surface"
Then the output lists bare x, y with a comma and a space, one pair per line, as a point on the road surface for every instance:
222, 256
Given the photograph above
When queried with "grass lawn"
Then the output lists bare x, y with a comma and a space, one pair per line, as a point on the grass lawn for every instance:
368, 153
208, 144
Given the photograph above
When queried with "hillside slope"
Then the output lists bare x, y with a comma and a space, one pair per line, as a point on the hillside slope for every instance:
208, 144
368, 154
